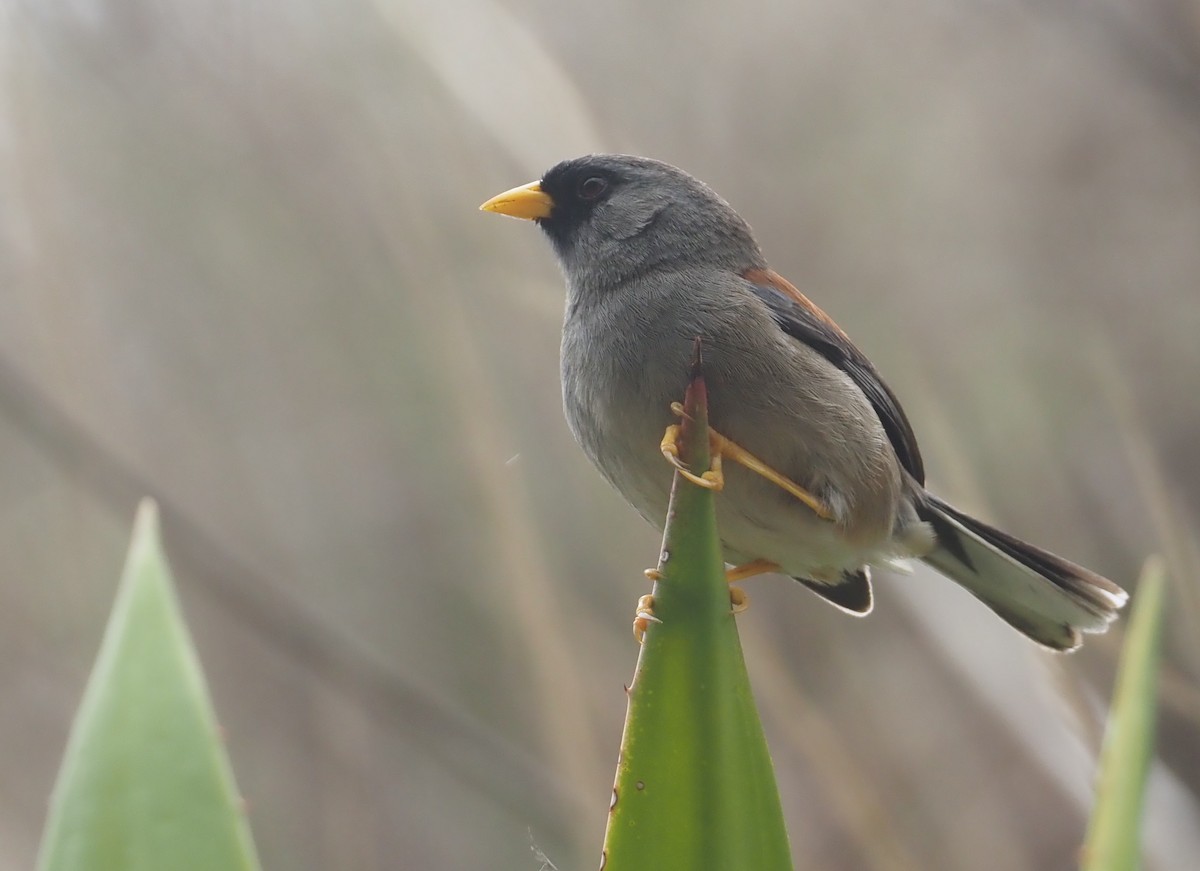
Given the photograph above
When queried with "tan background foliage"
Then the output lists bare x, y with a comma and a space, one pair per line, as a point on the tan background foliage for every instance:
241, 270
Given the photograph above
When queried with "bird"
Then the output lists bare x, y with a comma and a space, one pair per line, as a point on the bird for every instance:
827, 479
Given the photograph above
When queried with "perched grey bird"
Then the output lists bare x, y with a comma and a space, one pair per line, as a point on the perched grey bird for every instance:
653, 259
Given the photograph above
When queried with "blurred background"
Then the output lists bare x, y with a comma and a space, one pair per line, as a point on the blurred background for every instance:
242, 270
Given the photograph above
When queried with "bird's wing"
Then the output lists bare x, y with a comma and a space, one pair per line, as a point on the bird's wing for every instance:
802, 320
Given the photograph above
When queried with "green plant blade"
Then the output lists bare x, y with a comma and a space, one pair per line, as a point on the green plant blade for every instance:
1113, 842
695, 788
145, 784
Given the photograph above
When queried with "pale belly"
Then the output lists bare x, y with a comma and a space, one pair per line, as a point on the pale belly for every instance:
758, 520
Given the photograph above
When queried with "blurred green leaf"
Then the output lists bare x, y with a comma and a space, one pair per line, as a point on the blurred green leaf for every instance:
695, 788
1113, 838
145, 784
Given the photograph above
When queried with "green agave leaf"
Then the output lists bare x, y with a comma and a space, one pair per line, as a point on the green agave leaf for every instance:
1113, 837
145, 784
695, 788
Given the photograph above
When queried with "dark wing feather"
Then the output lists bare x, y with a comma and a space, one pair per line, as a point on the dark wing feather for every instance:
852, 592
802, 320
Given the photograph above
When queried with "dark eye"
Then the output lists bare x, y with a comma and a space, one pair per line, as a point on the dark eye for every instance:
591, 188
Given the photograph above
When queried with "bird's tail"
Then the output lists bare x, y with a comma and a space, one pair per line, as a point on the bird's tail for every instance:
1042, 595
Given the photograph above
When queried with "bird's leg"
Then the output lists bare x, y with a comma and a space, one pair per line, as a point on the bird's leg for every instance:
738, 600
750, 569
714, 478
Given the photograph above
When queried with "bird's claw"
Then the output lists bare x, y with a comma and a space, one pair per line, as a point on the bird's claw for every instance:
643, 617
710, 480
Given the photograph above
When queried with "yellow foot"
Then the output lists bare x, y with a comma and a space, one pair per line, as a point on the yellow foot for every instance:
714, 478
653, 574
644, 617
738, 600
750, 569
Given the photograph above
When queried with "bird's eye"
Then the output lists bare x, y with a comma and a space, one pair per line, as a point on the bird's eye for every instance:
592, 187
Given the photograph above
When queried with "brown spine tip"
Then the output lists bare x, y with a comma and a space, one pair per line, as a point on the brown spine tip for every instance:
697, 358
695, 400
694, 415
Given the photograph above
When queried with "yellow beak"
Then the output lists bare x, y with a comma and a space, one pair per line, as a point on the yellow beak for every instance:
528, 201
